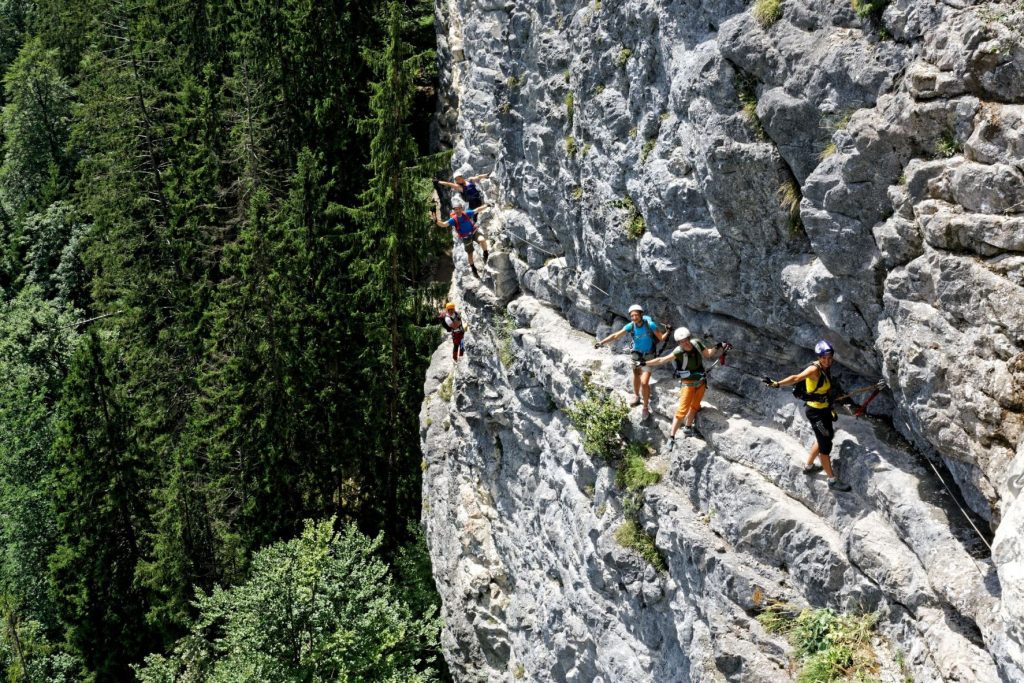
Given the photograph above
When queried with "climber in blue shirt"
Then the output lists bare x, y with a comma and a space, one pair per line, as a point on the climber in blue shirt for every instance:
463, 222
645, 335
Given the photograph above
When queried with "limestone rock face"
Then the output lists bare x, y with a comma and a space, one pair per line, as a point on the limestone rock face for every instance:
826, 176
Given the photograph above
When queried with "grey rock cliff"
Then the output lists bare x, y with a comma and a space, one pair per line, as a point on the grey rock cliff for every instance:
870, 192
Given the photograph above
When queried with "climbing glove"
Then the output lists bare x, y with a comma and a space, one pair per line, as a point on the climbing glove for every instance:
725, 346
770, 382
597, 345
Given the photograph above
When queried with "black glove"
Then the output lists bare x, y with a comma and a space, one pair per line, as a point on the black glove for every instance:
726, 346
770, 382
598, 345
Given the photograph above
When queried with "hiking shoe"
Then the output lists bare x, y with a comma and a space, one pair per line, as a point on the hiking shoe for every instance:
689, 431
812, 469
836, 485
645, 414
485, 257
671, 443
635, 401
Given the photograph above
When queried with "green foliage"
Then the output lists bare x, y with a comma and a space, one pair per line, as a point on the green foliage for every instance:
630, 535
504, 326
599, 417
171, 184
27, 654
828, 151
746, 90
767, 12
569, 110
830, 647
319, 607
634, 225
446, 389
623, 57
648, 148
789, 196
577, 194
99, 512
570, 146
35, 131
948, 146
870, 9
36, 343
599, 88
632, 474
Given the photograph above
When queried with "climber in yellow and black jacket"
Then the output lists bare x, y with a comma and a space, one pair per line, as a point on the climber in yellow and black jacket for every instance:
819, 392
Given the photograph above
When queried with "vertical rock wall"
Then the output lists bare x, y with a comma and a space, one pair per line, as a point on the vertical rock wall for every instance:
858, 179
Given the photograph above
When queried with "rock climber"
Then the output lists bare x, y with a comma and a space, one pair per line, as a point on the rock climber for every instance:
452, 321
819, 392
688, 356
463, 221
467, 189
645, 335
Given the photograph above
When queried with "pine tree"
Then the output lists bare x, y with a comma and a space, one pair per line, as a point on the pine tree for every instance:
98, 495
392, 260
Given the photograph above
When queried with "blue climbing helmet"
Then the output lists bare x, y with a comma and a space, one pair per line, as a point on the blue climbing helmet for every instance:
823, 348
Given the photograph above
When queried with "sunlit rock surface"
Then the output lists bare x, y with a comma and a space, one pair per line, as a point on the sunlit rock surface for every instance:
899, 145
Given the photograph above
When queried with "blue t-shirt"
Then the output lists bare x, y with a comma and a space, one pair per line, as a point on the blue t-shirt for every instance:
643, 334
466, 223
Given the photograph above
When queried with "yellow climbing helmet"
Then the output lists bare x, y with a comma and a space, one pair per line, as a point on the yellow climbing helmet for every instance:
449, 306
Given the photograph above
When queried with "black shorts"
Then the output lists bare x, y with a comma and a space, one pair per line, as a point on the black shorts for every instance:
475, 202
823, 424
469, 240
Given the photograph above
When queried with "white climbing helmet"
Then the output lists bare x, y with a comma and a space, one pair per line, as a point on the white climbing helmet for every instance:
681, 334
636, 307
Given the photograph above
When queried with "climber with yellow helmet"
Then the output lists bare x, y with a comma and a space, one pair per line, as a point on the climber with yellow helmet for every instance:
688, 356
817, 393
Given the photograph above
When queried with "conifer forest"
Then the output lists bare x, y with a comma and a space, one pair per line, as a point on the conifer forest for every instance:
217, 280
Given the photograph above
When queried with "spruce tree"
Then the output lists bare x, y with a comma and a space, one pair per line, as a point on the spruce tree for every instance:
392, 257
98, 493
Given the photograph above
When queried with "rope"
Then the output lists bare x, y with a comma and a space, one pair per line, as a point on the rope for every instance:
543, 250
962, 511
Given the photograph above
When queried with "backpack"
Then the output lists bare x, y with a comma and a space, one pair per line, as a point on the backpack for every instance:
681, 371
800, 388
461, 221
454, 316
633, 336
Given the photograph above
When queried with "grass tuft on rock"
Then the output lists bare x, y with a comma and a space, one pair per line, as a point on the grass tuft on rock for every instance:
828, 646
633, 474
789, 199
746, 91
767, 12
630, 535
869, 9
506, 347
634, 225
447, 387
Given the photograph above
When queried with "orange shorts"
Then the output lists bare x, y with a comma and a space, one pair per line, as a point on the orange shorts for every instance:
689, 399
